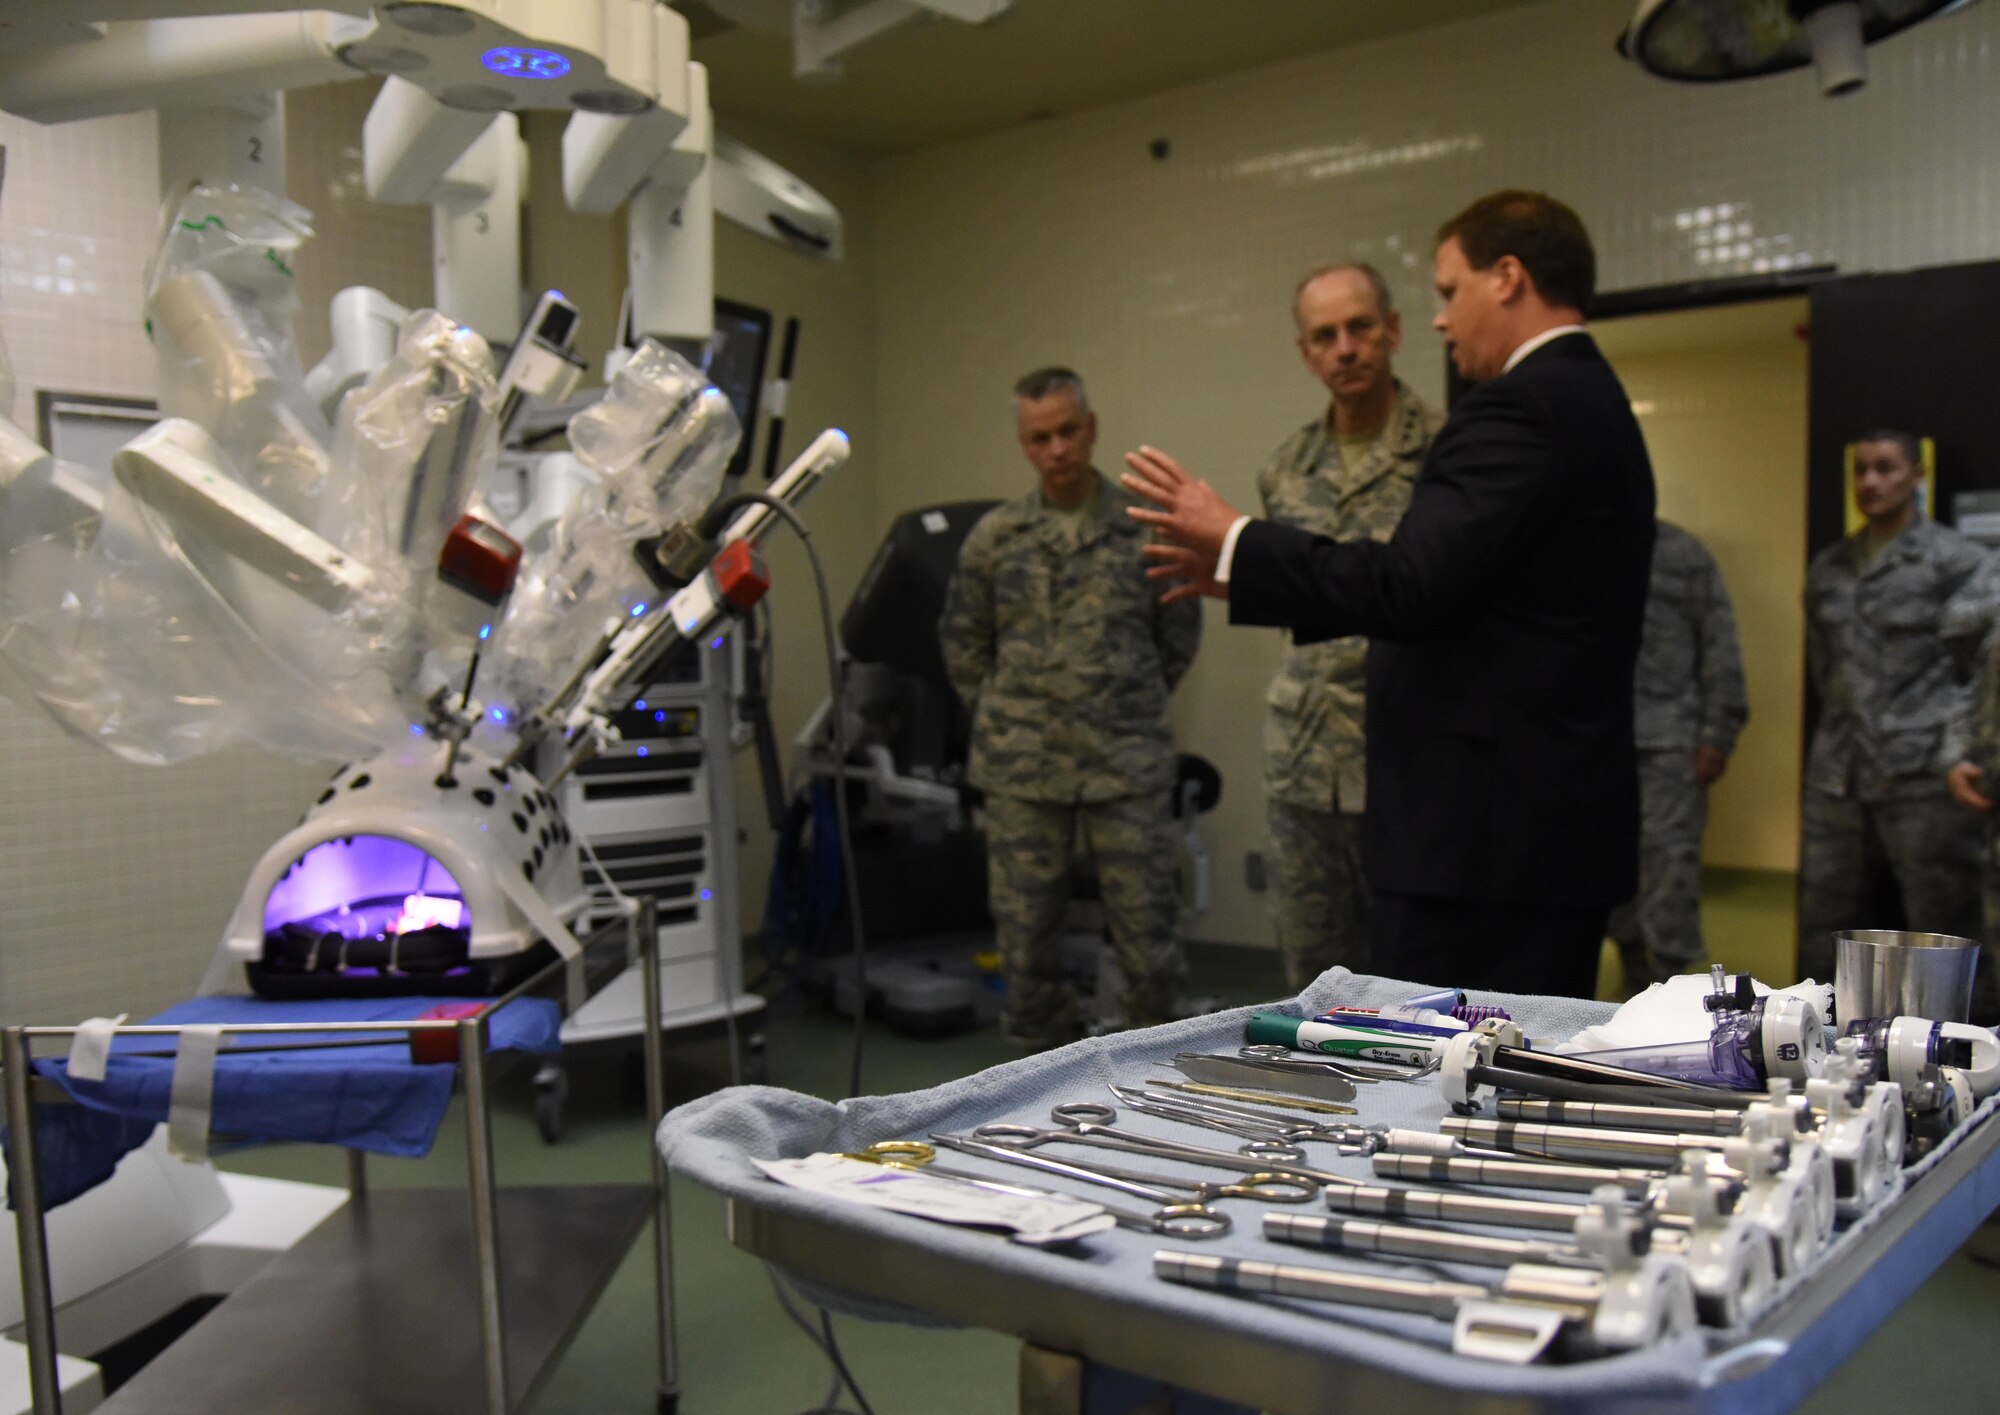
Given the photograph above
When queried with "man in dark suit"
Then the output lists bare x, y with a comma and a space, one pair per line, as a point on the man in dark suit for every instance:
1504, 619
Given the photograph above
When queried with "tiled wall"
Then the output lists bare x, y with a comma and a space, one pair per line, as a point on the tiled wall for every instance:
77, 220
1165, 280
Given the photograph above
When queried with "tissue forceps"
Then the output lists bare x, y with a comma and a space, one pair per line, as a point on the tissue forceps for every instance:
1190, 1197
1173, 1220
1090, 1123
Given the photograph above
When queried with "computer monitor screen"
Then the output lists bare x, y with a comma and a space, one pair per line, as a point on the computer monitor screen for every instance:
735, 364
87, 428
892, 619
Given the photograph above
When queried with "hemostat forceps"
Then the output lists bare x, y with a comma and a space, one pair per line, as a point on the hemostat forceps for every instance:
1181, 1200
1174, 1220
1089, 1123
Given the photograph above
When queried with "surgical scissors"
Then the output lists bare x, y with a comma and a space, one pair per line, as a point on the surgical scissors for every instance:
1090, 1123
1174, 1220
1271, 1188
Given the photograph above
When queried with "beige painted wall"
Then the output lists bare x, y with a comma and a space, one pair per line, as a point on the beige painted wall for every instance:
355, 241
1726, 426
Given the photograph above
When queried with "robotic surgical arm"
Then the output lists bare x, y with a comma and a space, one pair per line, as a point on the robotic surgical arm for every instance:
732, 581
250, 575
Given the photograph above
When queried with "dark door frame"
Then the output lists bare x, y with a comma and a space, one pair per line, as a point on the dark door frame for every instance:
1685, 295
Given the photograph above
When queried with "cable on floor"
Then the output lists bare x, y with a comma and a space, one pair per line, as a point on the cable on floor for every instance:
840, 1365
824, 1340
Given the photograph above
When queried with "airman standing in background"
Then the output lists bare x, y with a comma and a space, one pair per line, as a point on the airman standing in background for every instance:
1689, 704
1346, 474
1064, 657
1891, 656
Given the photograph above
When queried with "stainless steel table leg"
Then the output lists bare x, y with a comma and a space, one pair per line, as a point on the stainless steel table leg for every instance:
646, 929
24, 1173
485, 1210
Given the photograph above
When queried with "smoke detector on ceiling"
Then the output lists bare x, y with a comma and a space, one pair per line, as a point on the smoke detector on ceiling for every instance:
1711, 41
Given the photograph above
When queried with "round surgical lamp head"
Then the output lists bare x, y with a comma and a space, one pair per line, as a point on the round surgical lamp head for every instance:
1712, 41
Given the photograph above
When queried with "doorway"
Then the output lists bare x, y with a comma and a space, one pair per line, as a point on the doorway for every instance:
1721, 394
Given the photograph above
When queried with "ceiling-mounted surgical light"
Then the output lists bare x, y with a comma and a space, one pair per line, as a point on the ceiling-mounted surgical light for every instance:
1712, 41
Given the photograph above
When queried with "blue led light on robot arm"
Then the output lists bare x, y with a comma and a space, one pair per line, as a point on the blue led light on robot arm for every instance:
521, 62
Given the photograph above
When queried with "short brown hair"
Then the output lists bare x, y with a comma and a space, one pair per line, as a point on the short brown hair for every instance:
1047, 382
1537, 230
1904, 442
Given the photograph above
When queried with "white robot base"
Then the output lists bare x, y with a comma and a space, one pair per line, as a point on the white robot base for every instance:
401, 879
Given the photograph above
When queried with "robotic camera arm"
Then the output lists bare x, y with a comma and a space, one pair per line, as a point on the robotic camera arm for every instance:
732, 582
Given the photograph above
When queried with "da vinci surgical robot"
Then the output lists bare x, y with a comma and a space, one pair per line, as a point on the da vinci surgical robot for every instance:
318, 571
316, 568
250, 574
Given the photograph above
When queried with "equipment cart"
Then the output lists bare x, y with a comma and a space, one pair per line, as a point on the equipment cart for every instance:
658, 808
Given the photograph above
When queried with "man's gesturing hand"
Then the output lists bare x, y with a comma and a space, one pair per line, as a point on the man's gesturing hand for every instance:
1190, 519
1190, 514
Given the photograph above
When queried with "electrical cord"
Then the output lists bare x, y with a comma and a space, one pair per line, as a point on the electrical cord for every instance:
823, 1339
836, 674
840, 1364
761, 636
625, 902
767, 647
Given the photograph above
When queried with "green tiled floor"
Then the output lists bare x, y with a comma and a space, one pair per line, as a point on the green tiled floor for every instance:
740, 1355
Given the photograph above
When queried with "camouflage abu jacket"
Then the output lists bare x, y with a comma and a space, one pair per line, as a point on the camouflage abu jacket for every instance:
1063, 653
1687, 689
1314, 745
1890, 653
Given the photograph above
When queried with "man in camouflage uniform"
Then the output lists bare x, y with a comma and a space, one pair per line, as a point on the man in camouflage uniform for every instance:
1346, 474
1889, 647
1064, 656
1688, 706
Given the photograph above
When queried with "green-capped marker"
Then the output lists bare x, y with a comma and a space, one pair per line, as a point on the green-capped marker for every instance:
1334, 1039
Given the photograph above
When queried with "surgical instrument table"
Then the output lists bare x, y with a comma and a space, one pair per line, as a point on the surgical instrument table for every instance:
1286, 1358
